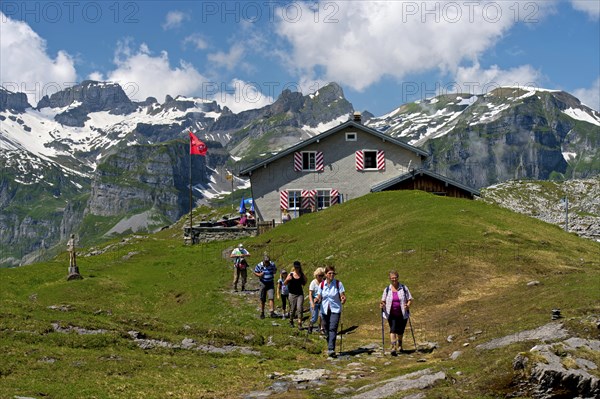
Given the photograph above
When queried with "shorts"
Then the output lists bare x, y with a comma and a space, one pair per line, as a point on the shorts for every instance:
397, 324
267, 291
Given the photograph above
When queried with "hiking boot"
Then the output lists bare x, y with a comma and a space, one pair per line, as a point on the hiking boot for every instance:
283, 317
393, 352
291, 324
331, 354
310, 328
262, 315
273, 315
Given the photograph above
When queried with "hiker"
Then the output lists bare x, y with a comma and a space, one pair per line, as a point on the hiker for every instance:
243, 222
251, 219
72, 251
286, 216
240, 266
395, 304
283, 292
265, 271
295, 281
315, 307
331, 296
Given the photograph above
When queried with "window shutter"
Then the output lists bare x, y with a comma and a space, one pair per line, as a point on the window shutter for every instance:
308, 198
380, 160
360, 160
297, 161
334, 194
283, 199
319, 166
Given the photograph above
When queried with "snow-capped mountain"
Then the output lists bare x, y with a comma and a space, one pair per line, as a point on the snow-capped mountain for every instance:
89, 160
508, 133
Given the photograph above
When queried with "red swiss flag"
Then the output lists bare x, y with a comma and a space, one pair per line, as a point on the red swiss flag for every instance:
197, 147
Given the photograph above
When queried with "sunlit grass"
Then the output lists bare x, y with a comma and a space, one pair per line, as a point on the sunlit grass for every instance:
466, 263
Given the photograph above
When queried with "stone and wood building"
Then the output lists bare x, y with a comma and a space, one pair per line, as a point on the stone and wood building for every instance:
342, 163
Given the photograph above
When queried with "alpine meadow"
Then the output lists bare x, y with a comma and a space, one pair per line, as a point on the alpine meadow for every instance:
154, 318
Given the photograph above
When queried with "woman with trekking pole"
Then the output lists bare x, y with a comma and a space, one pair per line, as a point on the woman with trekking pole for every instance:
331, 295
395, 304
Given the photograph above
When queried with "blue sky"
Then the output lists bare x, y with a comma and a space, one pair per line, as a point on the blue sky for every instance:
243, 54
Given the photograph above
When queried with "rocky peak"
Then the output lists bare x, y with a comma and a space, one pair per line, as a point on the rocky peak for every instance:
328, 93
148, 102
287, 101
16, 102
86, 97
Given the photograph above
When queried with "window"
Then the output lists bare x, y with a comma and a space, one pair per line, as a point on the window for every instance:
370, 159
309, 160
294, 199
323, 199
351, 136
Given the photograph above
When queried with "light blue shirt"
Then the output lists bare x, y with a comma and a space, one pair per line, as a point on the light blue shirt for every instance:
330, 296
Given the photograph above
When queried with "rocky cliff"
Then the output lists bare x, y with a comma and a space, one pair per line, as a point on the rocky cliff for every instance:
85, 98
293, 117
90, 161
509, 133
16, 102
572, 205
149, 180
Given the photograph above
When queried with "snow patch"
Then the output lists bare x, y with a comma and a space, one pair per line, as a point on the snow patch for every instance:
324, 126
581, 115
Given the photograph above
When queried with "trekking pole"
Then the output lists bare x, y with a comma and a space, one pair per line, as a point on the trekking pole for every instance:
382, 335
413, 333
341, 336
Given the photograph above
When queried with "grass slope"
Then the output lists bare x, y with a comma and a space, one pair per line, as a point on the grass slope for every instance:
467, 264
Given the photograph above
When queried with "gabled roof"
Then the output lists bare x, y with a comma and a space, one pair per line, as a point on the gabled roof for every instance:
399, 179
330, 132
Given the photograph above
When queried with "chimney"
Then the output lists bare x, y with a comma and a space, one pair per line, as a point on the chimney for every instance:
356, 117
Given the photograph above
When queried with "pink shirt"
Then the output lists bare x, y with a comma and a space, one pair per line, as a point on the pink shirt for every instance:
396, 309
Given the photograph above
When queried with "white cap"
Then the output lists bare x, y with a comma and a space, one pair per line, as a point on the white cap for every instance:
241, 246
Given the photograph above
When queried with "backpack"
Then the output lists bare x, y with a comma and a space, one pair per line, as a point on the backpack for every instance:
337, 284
387, 290
242, 264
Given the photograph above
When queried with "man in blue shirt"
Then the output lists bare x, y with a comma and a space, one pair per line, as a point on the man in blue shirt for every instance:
265, 271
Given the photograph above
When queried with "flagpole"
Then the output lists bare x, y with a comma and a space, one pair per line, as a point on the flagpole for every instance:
191, 232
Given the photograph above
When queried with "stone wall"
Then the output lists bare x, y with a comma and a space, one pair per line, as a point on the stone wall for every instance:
208, 234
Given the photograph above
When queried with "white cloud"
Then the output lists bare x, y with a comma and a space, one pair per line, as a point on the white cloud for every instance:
228, 60
590, 7
25, 65
142, 74
591, 96
241, 96
197, 41
475, 80
376, 39
97, 76
174, 19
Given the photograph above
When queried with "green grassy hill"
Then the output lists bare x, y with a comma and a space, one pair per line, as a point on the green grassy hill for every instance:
466, 263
